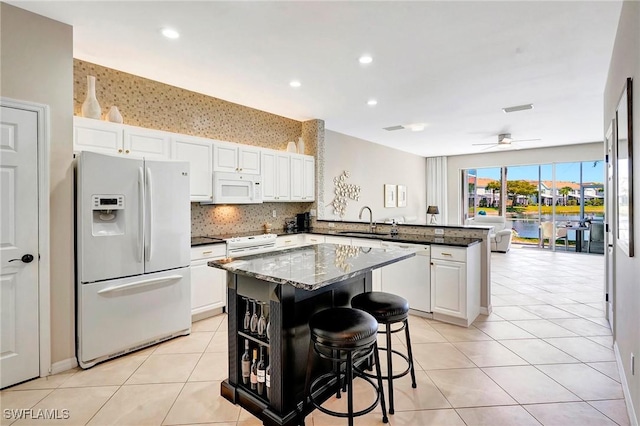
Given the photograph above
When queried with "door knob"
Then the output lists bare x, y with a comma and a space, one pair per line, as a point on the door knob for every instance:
27, 258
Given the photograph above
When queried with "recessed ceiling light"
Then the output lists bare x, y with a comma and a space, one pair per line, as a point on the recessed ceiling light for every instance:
372, 102
295, 83
517, 108
418, 127
365, 59
170, 33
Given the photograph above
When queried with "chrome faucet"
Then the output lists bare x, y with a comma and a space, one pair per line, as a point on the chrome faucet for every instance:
372, 226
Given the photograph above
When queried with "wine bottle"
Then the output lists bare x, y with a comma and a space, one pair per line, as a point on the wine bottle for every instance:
268, 380
246, 363
254, 371
261, 372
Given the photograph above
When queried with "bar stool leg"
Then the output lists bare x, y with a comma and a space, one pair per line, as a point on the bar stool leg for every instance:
390, 368
336, 365
348, 382
410, 353
376, 357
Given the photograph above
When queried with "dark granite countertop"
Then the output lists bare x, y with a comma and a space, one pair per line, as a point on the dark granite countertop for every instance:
204, 240
400, 238
312, 267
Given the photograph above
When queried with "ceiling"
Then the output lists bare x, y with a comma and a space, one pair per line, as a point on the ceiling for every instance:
451, 65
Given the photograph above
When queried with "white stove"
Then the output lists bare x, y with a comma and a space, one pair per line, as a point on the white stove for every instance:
252, 244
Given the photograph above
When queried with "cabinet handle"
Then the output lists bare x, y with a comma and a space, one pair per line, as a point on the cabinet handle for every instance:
119, 151
207, 252
126, 152
446, 254
287, 241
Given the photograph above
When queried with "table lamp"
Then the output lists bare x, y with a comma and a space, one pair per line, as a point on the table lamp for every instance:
433, 211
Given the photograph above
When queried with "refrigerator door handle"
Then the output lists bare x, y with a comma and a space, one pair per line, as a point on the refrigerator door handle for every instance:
150, 208
138, 284
140, 215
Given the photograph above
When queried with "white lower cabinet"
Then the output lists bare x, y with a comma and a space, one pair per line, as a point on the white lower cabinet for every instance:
313, 239
208, 285
455, 284
288, 241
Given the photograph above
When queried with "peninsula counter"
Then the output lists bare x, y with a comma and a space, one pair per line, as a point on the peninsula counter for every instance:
288, 287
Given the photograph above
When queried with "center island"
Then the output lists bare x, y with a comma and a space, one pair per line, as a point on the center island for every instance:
270, 299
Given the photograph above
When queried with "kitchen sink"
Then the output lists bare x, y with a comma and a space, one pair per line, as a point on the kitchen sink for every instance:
366, 233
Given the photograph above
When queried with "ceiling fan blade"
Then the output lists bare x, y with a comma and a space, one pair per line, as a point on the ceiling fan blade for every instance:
490, 143
526, 140
494, 145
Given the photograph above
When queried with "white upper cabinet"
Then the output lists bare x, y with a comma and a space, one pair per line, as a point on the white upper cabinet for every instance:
302, 178
234, 158
199, 153
146, 143
113, 138
97, 136
276, 176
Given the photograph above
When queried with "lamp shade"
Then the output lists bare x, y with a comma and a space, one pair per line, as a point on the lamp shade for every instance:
433, 210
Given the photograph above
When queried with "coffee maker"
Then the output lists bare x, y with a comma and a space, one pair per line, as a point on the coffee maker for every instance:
303, 221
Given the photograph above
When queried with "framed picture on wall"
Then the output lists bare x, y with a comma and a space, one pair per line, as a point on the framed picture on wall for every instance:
624, 172
402, 195
389, 195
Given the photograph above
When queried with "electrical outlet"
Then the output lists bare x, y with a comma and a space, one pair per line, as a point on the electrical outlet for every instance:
332, 225
312, 212
439, 231
274, 213
633, 364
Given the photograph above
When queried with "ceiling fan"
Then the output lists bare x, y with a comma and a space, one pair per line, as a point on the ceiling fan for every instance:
504, 141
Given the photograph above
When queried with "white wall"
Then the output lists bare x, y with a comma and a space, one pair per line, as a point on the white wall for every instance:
561, 154
625, 62
37, 65
371, 166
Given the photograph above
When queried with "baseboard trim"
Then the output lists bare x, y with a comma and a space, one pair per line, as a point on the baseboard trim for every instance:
486, 310
631, 412
64, 365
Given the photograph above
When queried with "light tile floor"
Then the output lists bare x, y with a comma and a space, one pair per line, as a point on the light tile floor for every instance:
544, 356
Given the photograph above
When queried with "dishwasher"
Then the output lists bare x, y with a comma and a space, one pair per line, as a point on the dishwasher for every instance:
410, 278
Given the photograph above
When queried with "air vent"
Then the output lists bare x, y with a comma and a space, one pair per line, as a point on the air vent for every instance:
392, 128
517, 108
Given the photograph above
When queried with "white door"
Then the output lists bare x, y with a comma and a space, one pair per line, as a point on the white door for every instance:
225, 158
19, 349
297, 177
610, 214
269, 180
168, 211
283, 173
249, 160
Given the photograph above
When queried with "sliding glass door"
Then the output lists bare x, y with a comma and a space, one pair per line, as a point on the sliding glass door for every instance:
556, 202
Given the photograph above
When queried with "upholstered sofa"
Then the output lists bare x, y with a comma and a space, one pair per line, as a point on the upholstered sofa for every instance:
500, 235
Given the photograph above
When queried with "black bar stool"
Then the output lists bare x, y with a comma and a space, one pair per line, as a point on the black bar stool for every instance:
344, 336
389, 309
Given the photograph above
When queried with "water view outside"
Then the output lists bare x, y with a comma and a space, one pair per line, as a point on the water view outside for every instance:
532, 195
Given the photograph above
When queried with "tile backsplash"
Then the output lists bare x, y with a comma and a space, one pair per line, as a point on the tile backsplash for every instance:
226, 219
151, 104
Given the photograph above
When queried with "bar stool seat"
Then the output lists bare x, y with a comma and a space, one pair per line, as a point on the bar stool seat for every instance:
389, 309
344, 336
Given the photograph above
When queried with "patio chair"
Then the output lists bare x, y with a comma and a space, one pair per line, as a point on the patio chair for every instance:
546, 229
596, 235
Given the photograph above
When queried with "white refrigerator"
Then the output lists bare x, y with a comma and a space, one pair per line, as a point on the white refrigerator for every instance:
133, 230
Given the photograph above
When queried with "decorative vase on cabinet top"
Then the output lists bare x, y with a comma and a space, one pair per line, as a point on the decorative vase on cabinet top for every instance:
300, 145
291, 147
114, 115
90, 106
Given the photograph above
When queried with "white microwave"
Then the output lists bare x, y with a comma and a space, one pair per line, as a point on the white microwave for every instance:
236, 188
